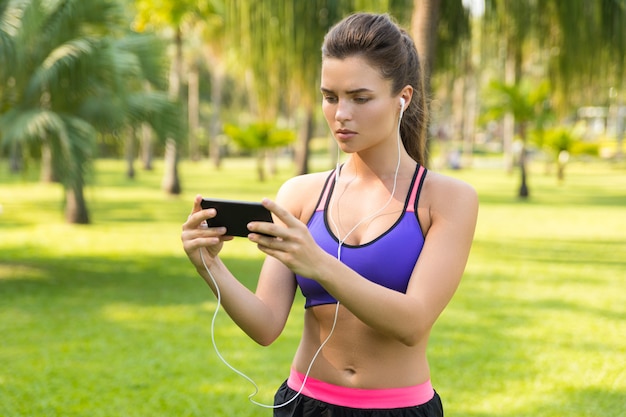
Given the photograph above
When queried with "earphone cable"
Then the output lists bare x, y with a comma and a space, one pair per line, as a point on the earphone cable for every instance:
240, 373
371, 216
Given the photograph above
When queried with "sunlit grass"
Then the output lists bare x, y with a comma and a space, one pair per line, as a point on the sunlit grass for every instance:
111, 320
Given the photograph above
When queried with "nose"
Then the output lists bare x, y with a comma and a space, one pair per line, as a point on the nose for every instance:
343, 111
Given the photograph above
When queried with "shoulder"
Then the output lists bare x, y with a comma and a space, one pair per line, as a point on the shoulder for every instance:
450, 198
444, 186
300, 194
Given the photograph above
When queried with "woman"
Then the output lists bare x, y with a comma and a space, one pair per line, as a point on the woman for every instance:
378, 246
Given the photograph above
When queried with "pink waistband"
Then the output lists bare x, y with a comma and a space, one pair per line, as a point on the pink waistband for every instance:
361, 398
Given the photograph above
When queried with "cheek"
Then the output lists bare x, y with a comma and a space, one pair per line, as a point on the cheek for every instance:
376, 118
329, 112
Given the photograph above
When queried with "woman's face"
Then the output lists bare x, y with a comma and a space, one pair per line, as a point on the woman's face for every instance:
358, 104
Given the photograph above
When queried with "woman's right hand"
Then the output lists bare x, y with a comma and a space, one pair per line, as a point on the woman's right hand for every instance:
197, 236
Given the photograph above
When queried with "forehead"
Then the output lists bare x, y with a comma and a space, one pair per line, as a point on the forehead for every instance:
350, 74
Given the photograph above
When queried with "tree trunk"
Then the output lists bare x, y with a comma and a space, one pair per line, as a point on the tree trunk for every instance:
523, 189
260, 164
424, 24
214, 130
75, 206
171, 181
147, 153
508, 124
15, 163
621, 130
304, 139
47, 171
129, 151
193, 111
470, 106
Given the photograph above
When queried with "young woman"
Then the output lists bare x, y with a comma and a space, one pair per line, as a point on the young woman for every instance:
377, 246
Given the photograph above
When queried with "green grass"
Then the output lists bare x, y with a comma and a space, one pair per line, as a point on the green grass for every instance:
110, 319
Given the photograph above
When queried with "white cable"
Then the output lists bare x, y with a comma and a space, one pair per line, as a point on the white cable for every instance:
341, 242
393, 191
238, 372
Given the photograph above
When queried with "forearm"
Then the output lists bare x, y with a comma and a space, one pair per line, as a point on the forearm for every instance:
250, 313
391, 313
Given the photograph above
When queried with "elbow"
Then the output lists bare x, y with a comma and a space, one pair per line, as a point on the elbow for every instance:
264, 341
414, 337
265, 338
410, 340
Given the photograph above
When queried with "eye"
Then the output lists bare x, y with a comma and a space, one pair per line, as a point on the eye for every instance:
361, 100
330, 99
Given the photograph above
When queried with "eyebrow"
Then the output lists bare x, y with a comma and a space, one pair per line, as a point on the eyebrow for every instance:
350, 92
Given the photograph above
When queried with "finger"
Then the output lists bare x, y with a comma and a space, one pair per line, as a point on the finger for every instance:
196, 204
197, 219
282, 214
270, 245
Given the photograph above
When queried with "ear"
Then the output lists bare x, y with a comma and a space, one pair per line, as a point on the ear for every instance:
406, 94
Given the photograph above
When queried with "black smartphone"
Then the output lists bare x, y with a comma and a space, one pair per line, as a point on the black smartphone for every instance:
235, 215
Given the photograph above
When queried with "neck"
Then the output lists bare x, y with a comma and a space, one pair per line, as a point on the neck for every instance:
364, 165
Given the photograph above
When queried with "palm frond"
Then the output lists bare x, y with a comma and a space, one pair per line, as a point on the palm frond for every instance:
158, 110
12, 14
150, 53
67, 67
31, 125
71, 139
104, 110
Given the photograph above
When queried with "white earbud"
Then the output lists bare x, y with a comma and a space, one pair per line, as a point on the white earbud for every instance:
402, 102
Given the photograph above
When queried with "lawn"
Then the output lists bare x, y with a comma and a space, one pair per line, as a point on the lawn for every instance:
110, 319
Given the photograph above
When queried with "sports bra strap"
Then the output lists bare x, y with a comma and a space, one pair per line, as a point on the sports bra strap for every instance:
324, 196
416, 187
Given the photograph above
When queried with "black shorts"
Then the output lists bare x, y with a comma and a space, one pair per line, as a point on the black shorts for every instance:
304, 406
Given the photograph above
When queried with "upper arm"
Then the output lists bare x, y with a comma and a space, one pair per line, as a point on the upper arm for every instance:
453, 210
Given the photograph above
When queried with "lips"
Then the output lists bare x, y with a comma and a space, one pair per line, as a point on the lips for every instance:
344, 134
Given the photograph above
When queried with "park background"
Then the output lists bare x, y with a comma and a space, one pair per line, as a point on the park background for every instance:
114, 114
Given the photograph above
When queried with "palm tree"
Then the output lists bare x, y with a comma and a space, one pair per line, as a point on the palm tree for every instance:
527, 104
71, 75
588, 45
176, 15
277, 45
441, 30
581, 46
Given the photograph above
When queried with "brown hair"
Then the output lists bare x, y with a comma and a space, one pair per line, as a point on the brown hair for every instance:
390, 49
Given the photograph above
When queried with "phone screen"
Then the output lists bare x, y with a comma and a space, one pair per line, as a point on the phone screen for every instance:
235, 215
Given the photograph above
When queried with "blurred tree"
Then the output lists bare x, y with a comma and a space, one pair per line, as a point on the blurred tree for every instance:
579, 46
441, 31
211, 34
198, 29
586, 41
515, 23
274, 50
559, 142
259, 138
277, 47
70, 71
175, 15
528, 104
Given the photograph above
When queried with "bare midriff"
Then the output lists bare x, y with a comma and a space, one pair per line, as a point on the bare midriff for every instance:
357, 356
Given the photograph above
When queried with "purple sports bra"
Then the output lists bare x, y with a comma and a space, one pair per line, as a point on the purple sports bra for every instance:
387, 260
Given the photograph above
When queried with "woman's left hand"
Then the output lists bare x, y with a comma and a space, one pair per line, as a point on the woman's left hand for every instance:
289, 242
